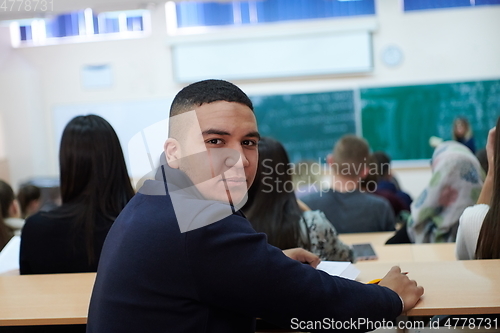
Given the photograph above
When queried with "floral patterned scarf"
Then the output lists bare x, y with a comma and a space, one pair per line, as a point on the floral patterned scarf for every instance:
457, 179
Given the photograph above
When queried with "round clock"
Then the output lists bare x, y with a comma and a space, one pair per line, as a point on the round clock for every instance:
392, 56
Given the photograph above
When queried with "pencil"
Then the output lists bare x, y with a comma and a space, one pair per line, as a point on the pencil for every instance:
376, 281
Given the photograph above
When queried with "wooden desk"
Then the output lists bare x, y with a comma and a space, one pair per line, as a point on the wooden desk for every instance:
375, 238
53, 299
415, 252
433, 252
394, 253
451, 287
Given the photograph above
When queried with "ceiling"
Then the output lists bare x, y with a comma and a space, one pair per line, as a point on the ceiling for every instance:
61, 6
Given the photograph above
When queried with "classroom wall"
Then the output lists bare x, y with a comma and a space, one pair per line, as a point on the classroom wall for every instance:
413, 180
458, 44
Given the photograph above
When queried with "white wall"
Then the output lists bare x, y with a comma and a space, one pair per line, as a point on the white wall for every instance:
35, 80
413, 180
439, 46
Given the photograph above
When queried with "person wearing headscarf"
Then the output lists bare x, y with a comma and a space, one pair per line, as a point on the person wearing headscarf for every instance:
457, 179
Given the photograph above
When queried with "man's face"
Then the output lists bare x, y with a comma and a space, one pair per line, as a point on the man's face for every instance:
220, 155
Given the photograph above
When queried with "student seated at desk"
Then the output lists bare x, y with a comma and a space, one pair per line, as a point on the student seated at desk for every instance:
455, 184
95, 187
181, 257
9, 208
28, 197
272, 208
387, 183
479, 229
371, 184
345, 206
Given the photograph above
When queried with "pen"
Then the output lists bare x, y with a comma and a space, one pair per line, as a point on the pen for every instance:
376, 281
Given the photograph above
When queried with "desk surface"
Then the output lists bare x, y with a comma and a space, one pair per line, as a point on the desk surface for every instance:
54, 299
451, 287
415, 252
375, 238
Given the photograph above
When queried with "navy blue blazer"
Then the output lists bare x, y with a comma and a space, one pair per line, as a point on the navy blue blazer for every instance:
217, 278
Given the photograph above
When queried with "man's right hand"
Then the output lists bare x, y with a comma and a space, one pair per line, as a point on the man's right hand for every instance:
407, 289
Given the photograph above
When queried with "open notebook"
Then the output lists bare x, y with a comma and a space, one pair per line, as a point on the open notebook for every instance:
9, 257
339, 268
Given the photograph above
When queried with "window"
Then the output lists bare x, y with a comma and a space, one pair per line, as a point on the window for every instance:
84, 25
410, 5
189, 14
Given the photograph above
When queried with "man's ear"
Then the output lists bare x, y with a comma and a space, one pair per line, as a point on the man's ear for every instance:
172, 150
364, 172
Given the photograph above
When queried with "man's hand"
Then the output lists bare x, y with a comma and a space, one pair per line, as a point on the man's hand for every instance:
303, 256
407, 289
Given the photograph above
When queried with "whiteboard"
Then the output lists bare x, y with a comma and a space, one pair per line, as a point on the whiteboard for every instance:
131, 120
272, 57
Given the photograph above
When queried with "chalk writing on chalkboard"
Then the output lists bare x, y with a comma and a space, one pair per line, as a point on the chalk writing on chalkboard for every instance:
308, 125
400, 120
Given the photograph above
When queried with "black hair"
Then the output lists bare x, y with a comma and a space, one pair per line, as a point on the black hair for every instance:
272, 207
94, 177
6, 198
207, 91
5, 234
369, 183
383, 163
26, 195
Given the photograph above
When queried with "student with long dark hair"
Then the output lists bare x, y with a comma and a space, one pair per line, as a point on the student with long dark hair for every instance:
479, 230
95, 187
9, 209
272, 208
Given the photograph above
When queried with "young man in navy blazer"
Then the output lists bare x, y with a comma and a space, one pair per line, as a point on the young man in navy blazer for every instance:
182, 258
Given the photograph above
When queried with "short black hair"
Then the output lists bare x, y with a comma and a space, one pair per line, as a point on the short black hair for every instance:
207, 91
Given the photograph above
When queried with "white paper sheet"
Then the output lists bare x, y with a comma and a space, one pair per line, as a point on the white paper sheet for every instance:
339, 268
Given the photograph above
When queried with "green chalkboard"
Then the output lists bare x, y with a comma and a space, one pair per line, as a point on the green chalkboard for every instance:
308, 125
400, 120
